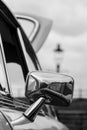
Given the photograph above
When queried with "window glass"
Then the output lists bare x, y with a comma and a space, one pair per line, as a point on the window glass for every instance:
27, 25
29, 61
16, 66
15, 72
16, 78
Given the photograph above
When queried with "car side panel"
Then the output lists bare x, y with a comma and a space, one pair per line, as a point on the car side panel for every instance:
40, 123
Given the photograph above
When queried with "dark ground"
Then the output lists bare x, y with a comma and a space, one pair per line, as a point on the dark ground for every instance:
74, 116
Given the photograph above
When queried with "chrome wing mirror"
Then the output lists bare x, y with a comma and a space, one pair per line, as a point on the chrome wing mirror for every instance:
45, 88
57, 89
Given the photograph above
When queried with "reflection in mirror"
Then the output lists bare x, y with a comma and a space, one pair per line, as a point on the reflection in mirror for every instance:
63, 88
57, 88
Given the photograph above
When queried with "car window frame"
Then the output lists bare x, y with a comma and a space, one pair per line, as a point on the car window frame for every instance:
34, 21
4, 66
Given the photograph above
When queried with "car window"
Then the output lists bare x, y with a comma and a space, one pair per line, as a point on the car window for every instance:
18, 61
15, 62
29, 61
28, 51
15, 71
16, 78
30, 26
27, 25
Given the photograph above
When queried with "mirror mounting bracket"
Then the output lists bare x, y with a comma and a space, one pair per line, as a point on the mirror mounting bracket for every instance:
30, 113
33, 110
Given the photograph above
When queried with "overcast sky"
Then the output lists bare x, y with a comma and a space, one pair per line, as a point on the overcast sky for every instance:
69, 28
70, 16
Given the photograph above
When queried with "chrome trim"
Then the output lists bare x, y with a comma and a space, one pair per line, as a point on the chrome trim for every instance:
13, 102
7, 104
36, 27
22, 45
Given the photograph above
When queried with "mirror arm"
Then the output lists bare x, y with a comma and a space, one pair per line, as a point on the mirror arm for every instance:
33, 110
30, 113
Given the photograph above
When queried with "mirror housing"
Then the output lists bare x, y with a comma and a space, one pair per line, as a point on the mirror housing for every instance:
56, 88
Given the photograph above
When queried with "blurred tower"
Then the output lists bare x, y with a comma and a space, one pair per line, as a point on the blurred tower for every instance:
58, 56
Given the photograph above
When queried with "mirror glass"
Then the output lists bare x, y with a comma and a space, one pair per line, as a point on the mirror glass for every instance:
57, 88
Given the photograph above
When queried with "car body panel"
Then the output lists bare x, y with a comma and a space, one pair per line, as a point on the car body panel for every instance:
40, 31
4, 123
41, 122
